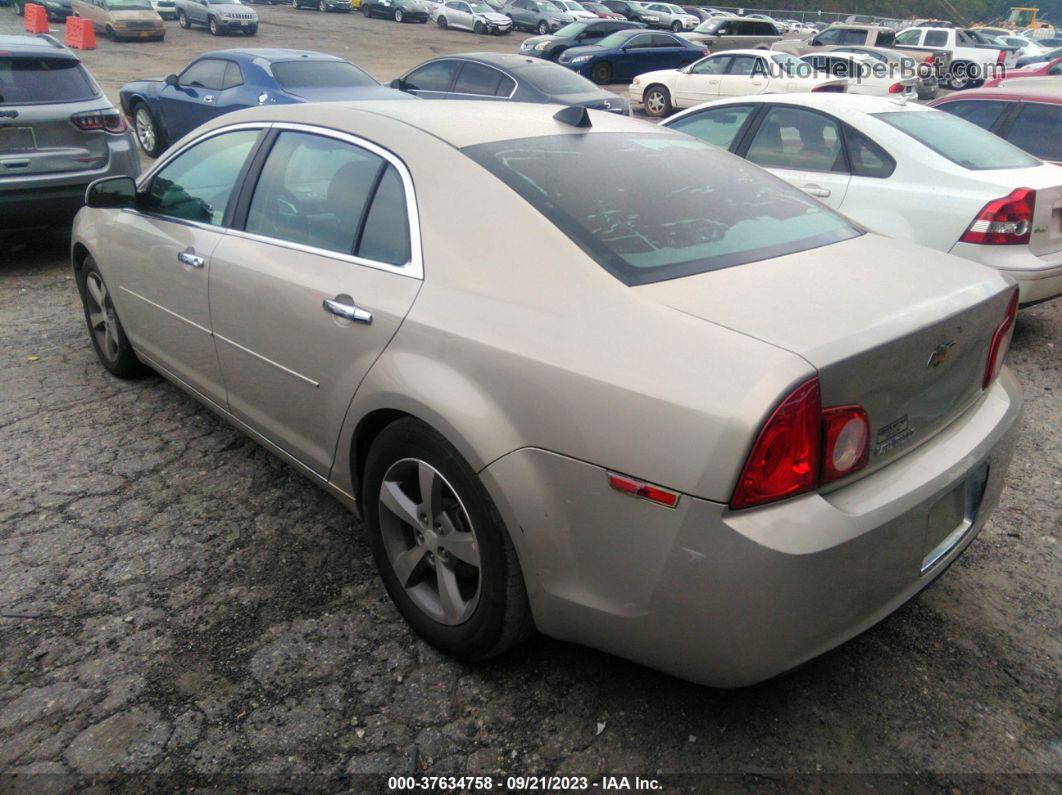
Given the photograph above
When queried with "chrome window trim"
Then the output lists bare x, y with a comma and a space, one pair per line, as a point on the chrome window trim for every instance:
414, 268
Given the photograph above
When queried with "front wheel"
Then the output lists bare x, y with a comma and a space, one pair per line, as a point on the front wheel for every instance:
657, 101
542, 28
398, 15
441, 547
112, 347
365, 11
479, 27
441, 21
322, 6
250, 31
183, 21
601, 73
676, 26
111, 33
215, 29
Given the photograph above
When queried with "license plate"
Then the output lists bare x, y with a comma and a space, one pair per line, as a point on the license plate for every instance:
17, 139
244, 22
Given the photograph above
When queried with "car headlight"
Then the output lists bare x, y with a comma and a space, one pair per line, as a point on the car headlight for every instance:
541, 45
636, 81
581, 58
652, 19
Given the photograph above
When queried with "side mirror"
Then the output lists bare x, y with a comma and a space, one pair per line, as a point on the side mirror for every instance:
171, 80
111, 193
397, 83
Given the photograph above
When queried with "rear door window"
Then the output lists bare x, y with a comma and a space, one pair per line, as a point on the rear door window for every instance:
936, 38
718, 126
797, 139
866, 157
29, 80
853, 37
910, 38
983, 113
478, 79
1038, 129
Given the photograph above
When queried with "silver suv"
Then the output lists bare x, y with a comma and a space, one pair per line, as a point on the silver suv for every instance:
58, 133
219, 16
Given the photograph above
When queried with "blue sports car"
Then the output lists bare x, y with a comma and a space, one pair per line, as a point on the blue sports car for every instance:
163, 110
625, 54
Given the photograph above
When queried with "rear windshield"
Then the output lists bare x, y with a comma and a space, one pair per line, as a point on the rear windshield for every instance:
550, 79
29, 80
959, 141
650, 206
320, 74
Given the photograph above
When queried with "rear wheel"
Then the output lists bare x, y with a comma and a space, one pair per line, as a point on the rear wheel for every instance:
959, 77
111, 33
365, 11
440, 546
601, 73
147, 131
542, 28
657, 101
322, 6
19, 8
105, 329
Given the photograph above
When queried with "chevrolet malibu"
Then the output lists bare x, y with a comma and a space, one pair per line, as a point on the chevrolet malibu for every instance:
709, 425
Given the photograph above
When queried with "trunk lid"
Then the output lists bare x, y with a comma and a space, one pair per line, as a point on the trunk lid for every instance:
901, 330
1046, 180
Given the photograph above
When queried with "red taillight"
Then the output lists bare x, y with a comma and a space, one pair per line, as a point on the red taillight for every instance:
1006, 221
1001, 57
846, 441
639, 488
930, 60
785, 458
108, 120
997, 351
896, 88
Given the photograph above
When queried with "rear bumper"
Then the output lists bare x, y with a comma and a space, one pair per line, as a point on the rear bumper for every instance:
729, 598
1038, 278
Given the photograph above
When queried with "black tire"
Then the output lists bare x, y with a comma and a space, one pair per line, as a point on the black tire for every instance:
398, 15
601, 73
676, 26
110, 33
142, 114
441, 22
121, 361
501, 617
183, 20
543, 28
479, 27
657, 101
958, 77
322, 6
365, 11
213, 26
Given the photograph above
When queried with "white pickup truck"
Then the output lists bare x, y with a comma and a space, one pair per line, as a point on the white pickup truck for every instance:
971, 62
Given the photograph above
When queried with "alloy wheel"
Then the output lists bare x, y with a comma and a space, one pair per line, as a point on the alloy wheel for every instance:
429, 541
655, 103
398, 15
543, 28
101, 316
145, 129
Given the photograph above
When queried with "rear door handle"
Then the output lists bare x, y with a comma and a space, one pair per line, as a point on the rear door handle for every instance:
816, 190
342, 306
190, 258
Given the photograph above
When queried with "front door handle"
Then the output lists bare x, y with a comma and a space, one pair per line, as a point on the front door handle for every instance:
207, 98
816, 190
190, 258
346, 309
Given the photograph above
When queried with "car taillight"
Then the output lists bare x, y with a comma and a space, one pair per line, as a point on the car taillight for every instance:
1001, 57
785, 457
930, 60
1006, 221
639, 488
846, 441
108, 120
997, 351
896, 88
802, 446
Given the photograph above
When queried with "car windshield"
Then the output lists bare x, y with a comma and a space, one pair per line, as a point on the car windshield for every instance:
555, 80
128, 5
708, 26
571, 30
691, 208
225, 2
958, 140
482, 8
29, 80
320, 74
614, 40
790, 64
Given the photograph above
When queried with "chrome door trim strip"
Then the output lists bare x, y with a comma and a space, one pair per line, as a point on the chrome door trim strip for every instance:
279, 366
148, 301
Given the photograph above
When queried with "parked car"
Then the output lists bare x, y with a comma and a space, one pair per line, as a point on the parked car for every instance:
877, 161
167, 9
57, 10
865, 75
635, 12
475, 16
626, 54
218, 16
341, 6
728, 74
601, 11
672, 17
898, 64
398, 10
122, 19
1024, 47
700, 12
1034, 60
838, 36
517, 421
733, 33
163, 110
971, 62
574, 9
552, 45
1052, 68
505, 77
539, 16
59, 133
1028, 113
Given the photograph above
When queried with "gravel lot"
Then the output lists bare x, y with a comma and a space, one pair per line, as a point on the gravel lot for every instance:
180, 609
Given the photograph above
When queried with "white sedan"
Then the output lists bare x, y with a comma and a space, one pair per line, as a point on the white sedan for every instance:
865, 74
733, 73
906, 171
475, 16
575, 10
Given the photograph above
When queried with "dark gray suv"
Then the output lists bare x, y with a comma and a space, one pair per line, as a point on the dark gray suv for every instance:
58, 133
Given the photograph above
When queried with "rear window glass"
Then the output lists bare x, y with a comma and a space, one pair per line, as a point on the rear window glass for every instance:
26, 80
1038, 129
550, 79
690, 209
958, 140
320, 74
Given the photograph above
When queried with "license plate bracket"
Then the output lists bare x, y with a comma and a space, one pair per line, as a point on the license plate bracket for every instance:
16, 140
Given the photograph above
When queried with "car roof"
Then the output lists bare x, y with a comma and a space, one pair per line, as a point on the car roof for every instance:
271, 54
501, 60
1042, 89
474, 122
43, 45
838, 104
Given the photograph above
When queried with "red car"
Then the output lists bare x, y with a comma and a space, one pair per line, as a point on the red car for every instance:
1028, 113
602, 11
1052, 68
